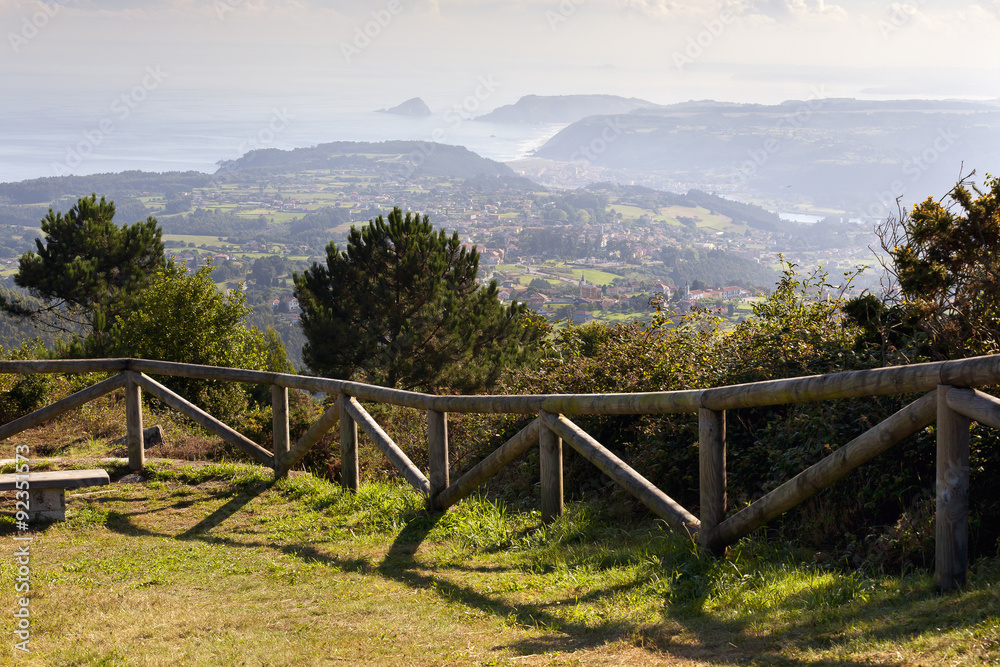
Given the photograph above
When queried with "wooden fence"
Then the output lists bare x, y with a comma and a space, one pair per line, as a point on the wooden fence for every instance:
949, 399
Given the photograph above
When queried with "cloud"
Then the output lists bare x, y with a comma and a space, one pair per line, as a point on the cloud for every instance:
783, 10
991, 6
758, 10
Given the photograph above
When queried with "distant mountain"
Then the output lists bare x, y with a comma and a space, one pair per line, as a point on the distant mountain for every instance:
844, 153
562, 108
400, 158
413, 107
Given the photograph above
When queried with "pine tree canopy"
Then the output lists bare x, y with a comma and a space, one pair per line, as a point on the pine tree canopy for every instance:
400, 307
87, 267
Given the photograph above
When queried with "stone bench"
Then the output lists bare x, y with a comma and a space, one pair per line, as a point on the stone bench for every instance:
47, 490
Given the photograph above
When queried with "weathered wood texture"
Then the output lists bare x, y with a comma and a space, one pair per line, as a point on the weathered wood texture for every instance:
350, 470
711, 469
500, 458
396, 457
437, 451
206, 420
279, 423
200, 372
623, 404
975, 405
52, 411
951, 516
550, 470
874, 382
27, 366
328, 420
133, 422
911, 419
658, 502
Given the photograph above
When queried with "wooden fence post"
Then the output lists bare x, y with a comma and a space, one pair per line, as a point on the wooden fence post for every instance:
133, 423
951, 519
279, 423
712, 473
551, 473
349, 472
437, 453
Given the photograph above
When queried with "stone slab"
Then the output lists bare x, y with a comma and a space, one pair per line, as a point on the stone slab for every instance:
57, 479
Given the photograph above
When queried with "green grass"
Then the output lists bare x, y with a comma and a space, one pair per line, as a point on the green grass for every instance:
594, 277
613, 318
219, 564
632, 212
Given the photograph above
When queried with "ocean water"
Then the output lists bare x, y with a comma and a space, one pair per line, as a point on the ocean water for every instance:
180, 130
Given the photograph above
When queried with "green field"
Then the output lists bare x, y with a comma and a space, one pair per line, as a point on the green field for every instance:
704, 218
547, 270
594, 276
633, 212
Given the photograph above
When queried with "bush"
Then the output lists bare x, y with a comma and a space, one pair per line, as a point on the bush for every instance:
794, 333
184, 318
23, 394
28, 393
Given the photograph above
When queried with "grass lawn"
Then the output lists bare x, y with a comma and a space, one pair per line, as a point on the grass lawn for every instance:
632, 212
612, 318
217, 564
594, 277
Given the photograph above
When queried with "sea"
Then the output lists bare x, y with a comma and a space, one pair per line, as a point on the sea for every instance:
176, 130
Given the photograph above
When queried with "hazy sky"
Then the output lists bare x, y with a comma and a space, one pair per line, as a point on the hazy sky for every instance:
661, 50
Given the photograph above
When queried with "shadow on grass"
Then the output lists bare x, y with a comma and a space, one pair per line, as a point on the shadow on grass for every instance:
686, 630
717, 641
246, 495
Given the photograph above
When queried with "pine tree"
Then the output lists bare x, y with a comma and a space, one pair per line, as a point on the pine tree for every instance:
86, 269
400, 307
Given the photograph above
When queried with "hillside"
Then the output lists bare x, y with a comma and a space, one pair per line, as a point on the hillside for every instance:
405, 156
562, 108
848, 154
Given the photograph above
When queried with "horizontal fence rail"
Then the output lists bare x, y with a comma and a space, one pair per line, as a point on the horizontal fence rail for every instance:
950, 400
914, 379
